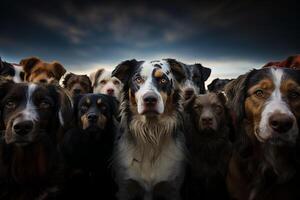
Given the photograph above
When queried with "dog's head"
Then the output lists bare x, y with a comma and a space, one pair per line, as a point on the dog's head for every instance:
38, 71
32, 112
196, 75
94, 111
268, 101
218, 85
150, 87
103, 82
76, 84
208, 111
11, 71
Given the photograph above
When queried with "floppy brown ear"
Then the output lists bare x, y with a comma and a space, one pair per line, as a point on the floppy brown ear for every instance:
28, 64
177, 69
58, 70
125, 69
95, 76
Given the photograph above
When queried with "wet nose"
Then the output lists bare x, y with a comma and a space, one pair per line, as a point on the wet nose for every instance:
92, 117
207, 120
150, 99
110, 91
281, 123
23, 128
189, 92
77, 91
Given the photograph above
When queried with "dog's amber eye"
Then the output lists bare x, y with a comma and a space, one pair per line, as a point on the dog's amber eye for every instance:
259, 93
44, 105
162, 81
116, 82
10, 105
294, 95
103, 81
139, 80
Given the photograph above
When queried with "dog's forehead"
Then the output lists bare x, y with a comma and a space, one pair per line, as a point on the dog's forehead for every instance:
161, 66
105, 75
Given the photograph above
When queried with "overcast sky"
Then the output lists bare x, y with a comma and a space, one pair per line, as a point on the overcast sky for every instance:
231, 37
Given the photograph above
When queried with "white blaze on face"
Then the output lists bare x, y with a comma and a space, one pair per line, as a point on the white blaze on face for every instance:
275, 104
149, 87
17, 76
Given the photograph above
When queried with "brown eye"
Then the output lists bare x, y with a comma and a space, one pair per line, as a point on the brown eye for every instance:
10, 105
294, 95
163, 81
259, 93
44, 105
116, 82
103, 81
139, 80
197, 107
219, 108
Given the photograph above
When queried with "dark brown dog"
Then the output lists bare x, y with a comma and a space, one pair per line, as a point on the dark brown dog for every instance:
37, 70
76, 84
33, 117
208, 127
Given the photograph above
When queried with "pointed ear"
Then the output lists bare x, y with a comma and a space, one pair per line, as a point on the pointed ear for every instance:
58, 70
177, 69
125, 69
64, 79
28, 64
205, 72
94, 77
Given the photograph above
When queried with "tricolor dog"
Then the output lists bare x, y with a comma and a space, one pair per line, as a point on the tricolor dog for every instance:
103, 82
196, 75
12, 72
33, 117
265, 164
150, 152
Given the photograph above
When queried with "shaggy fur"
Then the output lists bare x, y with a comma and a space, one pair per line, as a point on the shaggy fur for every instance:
88, 148
209, 146
30, 162
149, 153
266, 169
76, 84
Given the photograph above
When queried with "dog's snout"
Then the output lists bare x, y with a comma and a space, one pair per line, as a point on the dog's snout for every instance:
110, 91
150, 99
92, 117
281, 123
77, 91
207, 120
23, 128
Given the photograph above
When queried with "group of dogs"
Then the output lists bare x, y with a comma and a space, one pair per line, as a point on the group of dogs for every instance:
148, 130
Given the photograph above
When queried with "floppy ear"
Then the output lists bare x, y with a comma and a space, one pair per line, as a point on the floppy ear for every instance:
28, 64
64, 79
95, 76
211, 87
125, 69
90, 90
114, 105
205, 72
222, 98
177, 69
58, 70
4, 88
188, 105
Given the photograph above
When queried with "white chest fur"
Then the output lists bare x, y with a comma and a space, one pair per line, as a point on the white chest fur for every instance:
139, 166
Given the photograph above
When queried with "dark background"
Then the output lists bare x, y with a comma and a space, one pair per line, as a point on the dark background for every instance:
229, 36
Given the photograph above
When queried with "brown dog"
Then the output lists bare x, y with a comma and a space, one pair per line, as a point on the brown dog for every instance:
37, 70
76, 84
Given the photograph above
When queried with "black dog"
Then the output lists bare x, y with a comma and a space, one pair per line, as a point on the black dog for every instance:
88, 147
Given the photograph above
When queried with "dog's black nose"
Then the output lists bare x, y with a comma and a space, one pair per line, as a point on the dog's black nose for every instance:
92, 117
77, 91
43, 81
281, 123
150, 99
23, 128
207, 120
189, 92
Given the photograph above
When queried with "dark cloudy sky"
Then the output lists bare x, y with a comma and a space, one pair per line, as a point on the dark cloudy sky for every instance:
229, 36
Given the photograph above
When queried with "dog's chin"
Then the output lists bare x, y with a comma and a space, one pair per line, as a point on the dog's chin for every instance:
151, 113
93, 128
